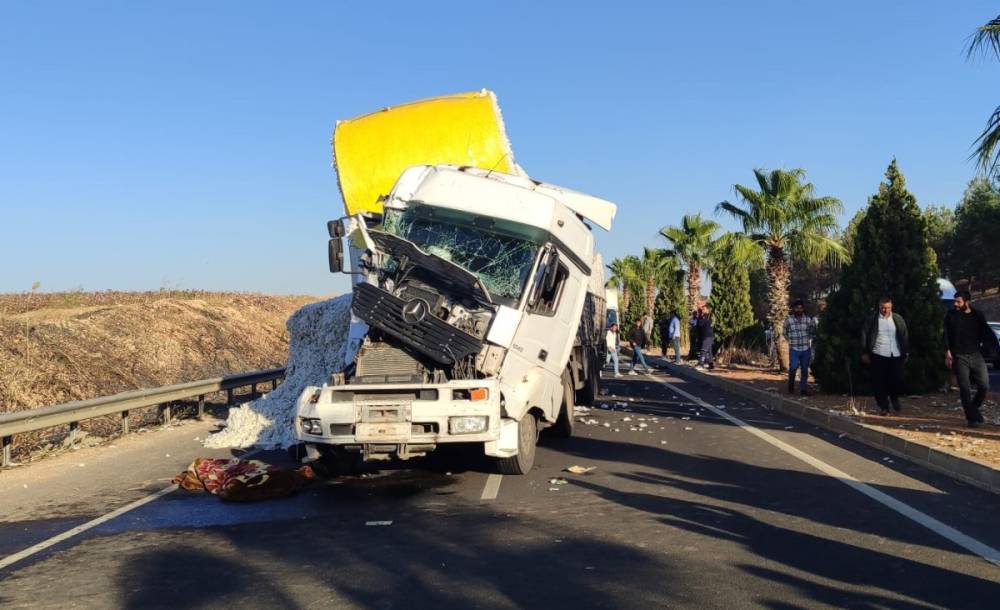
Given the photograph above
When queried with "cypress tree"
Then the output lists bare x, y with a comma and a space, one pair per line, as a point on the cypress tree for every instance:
635, 309
729, 301
672, 296
891, 256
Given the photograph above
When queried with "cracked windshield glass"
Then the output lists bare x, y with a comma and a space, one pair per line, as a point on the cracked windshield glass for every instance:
498, 252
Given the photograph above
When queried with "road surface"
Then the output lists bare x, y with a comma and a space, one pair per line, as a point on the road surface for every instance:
699, 500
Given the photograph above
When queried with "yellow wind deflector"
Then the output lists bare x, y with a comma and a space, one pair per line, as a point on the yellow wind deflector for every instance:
371, 151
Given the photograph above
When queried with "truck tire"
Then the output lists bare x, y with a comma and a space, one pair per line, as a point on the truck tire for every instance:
527, 438
563, 428
335, 462
591, 384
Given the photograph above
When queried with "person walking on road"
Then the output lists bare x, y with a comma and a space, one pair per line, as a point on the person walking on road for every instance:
706, 337
612, 340
967, 335
800, 331
637, 338
886, 344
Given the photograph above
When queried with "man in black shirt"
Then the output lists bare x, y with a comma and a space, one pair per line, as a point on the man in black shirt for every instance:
967, 334
638, 339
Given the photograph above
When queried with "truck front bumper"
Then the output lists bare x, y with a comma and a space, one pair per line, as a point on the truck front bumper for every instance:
404, 420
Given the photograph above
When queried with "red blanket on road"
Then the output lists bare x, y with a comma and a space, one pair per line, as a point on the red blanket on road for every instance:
242, 480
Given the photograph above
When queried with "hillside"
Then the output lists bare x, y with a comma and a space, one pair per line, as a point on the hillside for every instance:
66, 346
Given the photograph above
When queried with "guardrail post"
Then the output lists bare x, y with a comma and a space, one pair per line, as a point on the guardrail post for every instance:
274, 384
201, 406
5, 459
229, 397
124, 417
73, 427
165, 412
253, 391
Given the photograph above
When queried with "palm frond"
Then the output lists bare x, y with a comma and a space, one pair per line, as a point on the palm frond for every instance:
986, 40
985, 146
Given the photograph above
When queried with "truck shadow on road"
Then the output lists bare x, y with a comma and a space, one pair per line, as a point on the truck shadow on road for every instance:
423, 560
816, 507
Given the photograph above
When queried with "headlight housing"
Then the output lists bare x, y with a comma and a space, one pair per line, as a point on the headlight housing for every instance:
311, 425
468, 424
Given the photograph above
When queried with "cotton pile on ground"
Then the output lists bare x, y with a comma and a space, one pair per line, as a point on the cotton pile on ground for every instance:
318, 337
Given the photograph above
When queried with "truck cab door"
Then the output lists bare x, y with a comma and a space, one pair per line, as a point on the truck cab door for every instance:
548, 328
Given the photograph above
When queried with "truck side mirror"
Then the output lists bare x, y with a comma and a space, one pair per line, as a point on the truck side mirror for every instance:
336, 255
335, 228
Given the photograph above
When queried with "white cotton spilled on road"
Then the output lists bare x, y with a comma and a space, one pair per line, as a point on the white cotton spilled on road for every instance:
317, 340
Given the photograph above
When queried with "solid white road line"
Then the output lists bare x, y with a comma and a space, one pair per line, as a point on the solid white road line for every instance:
966, 542
492, 487
89, 525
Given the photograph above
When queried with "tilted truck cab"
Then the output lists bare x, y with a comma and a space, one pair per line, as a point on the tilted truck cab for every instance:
479, 312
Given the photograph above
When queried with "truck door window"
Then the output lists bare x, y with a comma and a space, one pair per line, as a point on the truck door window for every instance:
548, 300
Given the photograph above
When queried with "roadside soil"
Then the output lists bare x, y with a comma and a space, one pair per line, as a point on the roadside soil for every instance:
60, 347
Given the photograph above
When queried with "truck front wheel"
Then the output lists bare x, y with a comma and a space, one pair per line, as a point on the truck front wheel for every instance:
527, 438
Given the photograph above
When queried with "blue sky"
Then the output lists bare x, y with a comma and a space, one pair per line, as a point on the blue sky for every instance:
187, 144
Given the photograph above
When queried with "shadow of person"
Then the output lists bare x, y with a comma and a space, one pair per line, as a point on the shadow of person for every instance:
187, 577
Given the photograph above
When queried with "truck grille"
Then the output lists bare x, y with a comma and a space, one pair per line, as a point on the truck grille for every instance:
382, 363
432, 336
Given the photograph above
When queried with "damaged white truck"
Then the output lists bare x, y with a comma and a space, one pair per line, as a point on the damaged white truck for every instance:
478, 304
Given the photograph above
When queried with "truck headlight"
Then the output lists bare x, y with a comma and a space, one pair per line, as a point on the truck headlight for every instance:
311, 425
468, 424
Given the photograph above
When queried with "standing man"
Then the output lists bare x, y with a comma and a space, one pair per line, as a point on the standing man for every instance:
886, 344
694, 333
674, 334
637, 339
647, 329
800, 331
706, 336
967, 333
612, 340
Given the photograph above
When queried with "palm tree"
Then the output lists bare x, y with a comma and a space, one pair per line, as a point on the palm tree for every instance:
653, 269
625, 277
986, 41
784, 218
693, 243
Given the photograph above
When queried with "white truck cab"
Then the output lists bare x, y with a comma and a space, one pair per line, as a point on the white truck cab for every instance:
479, 311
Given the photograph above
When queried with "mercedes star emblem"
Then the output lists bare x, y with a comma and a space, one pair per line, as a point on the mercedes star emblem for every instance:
415, 311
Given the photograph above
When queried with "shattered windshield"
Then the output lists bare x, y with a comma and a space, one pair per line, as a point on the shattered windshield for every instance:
498, 252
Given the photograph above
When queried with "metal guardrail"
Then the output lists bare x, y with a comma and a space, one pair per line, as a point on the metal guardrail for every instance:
73, 413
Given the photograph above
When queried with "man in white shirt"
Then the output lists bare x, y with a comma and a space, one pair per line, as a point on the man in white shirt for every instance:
612, 341
885, 343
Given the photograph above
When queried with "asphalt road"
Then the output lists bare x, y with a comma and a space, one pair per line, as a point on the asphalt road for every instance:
685, 509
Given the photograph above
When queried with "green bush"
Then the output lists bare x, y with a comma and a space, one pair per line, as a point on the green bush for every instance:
891, 256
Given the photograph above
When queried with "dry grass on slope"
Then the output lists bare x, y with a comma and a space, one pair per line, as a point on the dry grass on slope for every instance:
60, 347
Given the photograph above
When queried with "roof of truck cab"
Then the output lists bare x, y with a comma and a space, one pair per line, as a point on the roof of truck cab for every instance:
599, 211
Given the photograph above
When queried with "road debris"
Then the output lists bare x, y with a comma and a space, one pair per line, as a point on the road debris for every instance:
558, 481
575, 469
242, 480
378, 523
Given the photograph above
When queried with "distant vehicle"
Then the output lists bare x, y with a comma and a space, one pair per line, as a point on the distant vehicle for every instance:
611, 299
947, 290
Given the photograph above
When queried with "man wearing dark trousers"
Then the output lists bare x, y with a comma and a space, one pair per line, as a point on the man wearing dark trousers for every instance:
967, 334
886, 343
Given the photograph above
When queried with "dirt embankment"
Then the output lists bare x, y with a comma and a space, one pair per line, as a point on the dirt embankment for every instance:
62, 347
